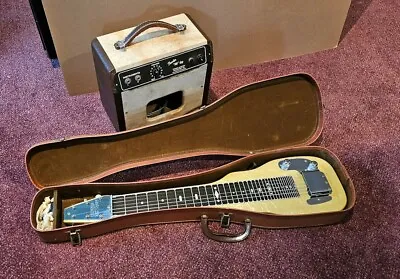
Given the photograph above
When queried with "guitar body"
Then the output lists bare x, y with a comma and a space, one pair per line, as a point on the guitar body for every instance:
291, 206
287, 186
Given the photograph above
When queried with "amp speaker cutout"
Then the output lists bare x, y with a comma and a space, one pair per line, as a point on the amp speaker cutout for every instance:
164, 104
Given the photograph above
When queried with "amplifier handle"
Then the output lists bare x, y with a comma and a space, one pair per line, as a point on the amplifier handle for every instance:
144, 26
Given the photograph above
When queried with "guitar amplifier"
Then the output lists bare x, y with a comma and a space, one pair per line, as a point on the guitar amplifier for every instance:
153, 72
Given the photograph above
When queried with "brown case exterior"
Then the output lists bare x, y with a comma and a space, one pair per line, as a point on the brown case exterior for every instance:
257, 124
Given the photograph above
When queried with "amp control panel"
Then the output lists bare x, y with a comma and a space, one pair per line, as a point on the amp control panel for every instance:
163, 68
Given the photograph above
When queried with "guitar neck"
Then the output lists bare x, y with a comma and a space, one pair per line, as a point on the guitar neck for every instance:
282, 187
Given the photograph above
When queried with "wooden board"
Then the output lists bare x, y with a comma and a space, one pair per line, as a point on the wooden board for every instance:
243, 32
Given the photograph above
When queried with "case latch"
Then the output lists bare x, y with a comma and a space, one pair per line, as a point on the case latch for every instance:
225, 220
75, 238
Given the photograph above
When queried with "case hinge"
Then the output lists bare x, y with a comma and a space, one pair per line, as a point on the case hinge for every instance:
75, 238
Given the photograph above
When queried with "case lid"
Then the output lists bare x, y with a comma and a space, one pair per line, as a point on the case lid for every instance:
267, 115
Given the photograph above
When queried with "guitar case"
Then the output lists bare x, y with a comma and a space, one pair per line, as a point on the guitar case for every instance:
254, 124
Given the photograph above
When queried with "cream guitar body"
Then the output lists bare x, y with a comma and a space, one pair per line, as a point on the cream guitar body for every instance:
287, 186
290, 206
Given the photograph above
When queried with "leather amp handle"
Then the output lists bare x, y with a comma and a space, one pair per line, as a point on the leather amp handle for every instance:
225, 237
143, 27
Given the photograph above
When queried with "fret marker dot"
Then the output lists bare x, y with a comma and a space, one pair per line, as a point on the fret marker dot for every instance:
196, 196
141, 202
162, 200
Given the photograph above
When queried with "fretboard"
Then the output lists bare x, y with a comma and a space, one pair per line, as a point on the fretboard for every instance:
206, 195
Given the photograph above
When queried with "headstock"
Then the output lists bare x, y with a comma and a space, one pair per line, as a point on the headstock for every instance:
94, 210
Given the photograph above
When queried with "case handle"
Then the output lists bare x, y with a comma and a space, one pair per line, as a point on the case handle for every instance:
143, 27
224, 237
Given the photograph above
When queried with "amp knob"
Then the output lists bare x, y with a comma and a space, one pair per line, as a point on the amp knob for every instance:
191, 61
156, 71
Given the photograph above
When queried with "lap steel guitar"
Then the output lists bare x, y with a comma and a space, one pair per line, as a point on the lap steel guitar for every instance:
286, 186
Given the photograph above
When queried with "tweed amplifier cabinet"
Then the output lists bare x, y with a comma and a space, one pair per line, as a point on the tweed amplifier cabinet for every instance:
153, 72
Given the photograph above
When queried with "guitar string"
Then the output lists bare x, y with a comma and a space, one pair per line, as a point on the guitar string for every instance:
215, 185
204, 200
232, 197
281, 190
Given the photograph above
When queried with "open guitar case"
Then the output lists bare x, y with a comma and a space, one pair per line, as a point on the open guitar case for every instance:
257, 123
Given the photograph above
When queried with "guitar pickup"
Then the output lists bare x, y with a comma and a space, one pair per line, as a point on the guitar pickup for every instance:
317, 186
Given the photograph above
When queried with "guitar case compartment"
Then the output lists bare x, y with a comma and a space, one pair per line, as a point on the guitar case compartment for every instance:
252, 125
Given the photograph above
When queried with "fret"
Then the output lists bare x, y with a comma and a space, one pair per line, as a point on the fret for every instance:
252, 191
196, 196
142, 202
228, 192
118, 206
269, 187
203, 196
259, 189
242, 190
293, 187
188, 196
279, 190
290, 182
233, 193
247, 191
284, 188
171, 198
275, 190
264, 185
289, 191
239, 193
263, 191
217, 194
210, 194
130, 202
222, 194
180, 198
162, 199
124, 205
152, 201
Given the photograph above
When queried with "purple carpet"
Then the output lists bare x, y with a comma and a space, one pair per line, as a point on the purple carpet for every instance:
360, 85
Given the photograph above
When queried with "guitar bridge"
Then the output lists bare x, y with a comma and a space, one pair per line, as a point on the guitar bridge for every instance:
317, 187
